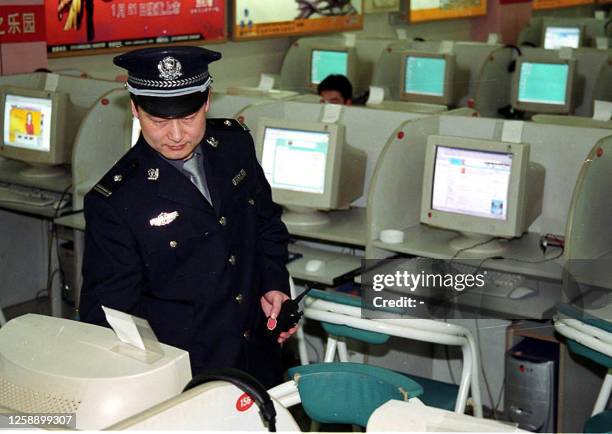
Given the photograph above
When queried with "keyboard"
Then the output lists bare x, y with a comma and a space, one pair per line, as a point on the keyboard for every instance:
19, 195
498, 284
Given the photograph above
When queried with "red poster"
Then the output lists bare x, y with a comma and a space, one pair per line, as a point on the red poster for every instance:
22, 23
74, 25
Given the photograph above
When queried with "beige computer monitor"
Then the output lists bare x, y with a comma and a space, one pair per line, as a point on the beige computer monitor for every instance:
309, 167
427, 77
543, 86
34, 129
479, 188
55, 365
327, 60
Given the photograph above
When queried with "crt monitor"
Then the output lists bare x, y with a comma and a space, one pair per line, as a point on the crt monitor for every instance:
543, 86
325, 61
310, 168
482, 188
34, 129
427, 77
55, 365
556, 36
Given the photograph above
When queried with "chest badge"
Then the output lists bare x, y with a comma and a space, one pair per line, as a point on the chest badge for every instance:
212, 142
153, 174
163, 219
239, 177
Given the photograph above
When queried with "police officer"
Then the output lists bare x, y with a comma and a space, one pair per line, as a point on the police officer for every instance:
182, 230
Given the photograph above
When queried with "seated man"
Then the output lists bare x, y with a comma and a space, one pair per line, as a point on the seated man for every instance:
336, 89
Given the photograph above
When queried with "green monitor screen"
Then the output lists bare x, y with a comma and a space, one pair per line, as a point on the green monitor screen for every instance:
328, 62
427, 77
543, 83
424, 75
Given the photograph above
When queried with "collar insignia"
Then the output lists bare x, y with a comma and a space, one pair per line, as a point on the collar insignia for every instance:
170, 68
212, 142
163, 219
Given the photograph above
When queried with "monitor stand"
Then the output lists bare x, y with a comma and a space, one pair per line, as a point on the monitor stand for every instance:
42, 171
471, 244
298, 216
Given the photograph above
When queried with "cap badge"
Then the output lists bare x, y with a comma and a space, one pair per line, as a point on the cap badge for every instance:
152, 174
170, 68
165, 218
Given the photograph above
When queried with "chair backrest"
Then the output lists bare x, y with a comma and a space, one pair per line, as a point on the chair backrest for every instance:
348, 393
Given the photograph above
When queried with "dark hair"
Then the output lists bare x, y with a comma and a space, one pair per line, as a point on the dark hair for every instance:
337, 82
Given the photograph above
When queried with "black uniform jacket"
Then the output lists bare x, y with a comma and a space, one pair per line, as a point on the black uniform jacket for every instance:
155, 248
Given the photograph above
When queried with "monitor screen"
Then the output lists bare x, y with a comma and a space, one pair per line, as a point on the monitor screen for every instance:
295, 160
424, 75
556, 37
543, 83
471, 182
328, 62
27, 122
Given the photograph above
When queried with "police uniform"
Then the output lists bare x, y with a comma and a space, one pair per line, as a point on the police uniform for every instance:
157, 248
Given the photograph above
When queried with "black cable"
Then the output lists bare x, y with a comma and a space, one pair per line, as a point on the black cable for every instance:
53, 235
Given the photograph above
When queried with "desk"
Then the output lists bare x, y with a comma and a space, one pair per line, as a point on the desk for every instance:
338, 267
38, 242
345, 227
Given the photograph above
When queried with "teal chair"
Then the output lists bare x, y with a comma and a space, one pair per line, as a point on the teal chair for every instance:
344, 393
590, 335
340, 317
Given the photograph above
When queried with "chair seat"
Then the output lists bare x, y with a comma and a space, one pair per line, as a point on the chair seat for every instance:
348, 393
600, 423
437, 394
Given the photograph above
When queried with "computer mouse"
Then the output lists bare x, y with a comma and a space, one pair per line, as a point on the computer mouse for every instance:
314, 265
521, 292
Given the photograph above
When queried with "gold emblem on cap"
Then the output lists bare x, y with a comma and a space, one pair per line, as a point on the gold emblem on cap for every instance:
212, 142
170, 68
153, 174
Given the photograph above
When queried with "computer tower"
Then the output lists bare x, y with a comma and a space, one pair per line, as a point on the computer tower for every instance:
531, 385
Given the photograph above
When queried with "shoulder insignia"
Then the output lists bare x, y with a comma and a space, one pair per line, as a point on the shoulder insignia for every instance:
115, 178
231, 124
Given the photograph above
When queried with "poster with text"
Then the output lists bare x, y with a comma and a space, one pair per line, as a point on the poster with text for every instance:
75, 25
430, 10
269, 18
554, 4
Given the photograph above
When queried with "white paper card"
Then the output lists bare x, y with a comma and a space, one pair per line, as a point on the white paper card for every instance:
331, 113
377, 95
447, 47
401, 34
349, 39
130, 329
512, 131
51, 82
266, 82
602, 110
566, 52
493, 38
602, 43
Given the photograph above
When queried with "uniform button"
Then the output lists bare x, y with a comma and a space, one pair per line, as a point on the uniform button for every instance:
173, 244
232, 260
252, 201
205, 234
247, 334
117, 178
222, 221
238, 298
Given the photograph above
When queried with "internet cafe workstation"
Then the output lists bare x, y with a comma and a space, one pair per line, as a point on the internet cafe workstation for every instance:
322, 215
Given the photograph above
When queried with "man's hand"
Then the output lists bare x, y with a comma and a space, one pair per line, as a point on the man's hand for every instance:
271, 305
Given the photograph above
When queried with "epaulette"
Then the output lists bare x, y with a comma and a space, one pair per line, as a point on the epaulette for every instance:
115, 177
225, 123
